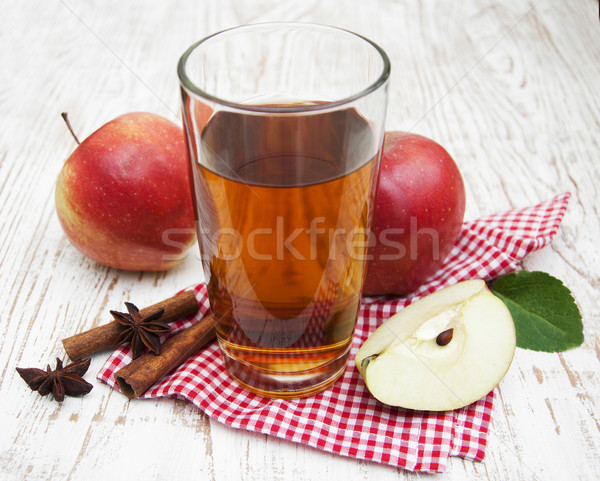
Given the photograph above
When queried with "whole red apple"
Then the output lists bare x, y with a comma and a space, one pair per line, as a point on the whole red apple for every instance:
418, 215
123, 196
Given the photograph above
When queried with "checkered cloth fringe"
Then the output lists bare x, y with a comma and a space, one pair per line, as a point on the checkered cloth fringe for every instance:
345, 419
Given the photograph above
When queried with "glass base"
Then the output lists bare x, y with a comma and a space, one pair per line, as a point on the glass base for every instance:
288, 375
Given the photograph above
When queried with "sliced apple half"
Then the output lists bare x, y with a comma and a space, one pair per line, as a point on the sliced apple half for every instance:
442, 352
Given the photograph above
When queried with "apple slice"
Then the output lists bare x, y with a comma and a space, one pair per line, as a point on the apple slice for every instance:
443, 352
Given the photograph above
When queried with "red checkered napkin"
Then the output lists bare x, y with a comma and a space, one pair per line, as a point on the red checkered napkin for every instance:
346, 419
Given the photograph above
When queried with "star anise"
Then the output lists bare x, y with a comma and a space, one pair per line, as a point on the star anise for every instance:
62, 381
140, 330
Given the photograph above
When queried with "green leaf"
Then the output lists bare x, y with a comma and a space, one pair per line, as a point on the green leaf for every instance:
545, 314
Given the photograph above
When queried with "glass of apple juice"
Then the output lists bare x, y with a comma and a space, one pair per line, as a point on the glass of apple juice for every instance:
284, 125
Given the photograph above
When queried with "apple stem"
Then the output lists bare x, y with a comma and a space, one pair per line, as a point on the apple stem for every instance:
65, 117
368, 359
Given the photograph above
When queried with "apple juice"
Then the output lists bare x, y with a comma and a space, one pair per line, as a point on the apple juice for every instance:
283, 203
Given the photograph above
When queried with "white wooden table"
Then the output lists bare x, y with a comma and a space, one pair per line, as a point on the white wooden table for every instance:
510, 88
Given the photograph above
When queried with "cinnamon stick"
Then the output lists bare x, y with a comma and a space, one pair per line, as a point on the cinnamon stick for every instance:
135, 378
104, 337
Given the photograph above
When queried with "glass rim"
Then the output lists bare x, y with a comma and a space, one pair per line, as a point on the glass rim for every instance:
192, 88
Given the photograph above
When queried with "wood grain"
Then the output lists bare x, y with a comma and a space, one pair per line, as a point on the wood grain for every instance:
511, 89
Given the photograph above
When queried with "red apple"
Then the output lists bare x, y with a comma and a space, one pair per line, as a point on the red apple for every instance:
418, 215
123, 196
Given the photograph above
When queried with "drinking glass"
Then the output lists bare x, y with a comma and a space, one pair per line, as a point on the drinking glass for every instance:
284, 125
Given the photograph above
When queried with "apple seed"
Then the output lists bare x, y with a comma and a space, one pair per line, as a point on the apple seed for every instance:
444, 337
